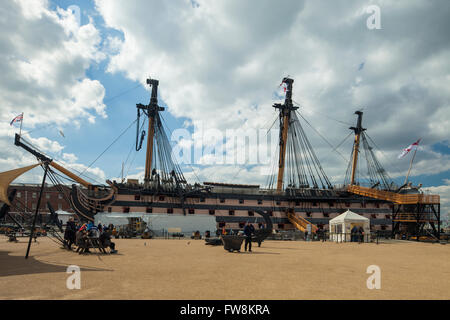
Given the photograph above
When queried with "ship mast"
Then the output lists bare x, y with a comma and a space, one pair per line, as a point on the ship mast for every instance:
358, 130
150, 110
285, 117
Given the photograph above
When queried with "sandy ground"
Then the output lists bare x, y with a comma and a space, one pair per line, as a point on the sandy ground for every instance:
183, 269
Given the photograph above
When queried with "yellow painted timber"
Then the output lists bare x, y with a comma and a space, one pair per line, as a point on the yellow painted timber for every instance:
300, 223
70, 174
282, 156
355, 157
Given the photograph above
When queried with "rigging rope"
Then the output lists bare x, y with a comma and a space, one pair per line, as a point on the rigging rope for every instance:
384, 155
322, 114
122, 93
29, 144
323, 138
302, 167
104, 151
164, 124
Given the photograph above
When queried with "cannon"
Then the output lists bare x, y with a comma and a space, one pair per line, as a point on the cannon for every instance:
234, 242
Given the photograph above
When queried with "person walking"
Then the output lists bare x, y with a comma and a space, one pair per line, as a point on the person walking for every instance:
249, 229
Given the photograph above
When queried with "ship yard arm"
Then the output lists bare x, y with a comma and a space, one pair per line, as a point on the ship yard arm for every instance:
45, 159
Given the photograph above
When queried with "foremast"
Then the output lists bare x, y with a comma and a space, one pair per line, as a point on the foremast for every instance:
162, 172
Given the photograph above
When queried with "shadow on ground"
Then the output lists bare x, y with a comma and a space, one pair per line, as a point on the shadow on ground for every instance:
18, 265
260, 252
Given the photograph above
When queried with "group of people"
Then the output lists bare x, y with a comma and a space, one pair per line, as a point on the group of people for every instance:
83, 235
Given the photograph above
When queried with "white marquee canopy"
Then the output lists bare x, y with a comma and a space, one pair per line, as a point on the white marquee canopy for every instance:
340, 226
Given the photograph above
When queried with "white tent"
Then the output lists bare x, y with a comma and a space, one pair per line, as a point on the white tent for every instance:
341, 226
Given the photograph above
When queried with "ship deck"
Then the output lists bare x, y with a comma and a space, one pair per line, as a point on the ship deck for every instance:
187, 269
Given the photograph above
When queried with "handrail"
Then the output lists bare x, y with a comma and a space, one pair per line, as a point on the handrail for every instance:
414, 217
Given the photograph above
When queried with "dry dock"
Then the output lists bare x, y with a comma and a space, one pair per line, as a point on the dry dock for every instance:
188, 269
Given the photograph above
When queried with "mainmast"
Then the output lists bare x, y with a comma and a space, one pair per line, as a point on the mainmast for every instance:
358, 130
285, 117
150, 110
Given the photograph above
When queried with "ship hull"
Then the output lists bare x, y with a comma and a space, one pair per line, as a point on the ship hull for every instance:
232, 208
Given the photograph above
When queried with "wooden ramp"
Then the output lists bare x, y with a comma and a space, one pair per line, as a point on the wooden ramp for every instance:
300, 223
394, 197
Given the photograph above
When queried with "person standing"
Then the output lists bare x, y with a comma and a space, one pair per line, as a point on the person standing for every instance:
70, 233
249, 229
259, 239
354, 233
361, 234
319, 233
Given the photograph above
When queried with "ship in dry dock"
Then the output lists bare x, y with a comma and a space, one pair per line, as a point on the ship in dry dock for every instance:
298, 193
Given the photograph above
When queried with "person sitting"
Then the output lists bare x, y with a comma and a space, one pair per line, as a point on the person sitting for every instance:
105, 240
82, 241
93, 232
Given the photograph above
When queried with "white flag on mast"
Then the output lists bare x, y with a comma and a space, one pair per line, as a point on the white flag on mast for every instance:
408, 149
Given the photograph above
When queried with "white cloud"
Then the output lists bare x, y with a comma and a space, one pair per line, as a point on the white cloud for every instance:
70, 157
44, 55
46, 145
220, 63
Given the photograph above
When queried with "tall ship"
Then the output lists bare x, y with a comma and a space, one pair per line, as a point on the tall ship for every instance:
298, 194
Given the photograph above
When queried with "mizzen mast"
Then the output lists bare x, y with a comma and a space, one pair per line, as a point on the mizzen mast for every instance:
358, 130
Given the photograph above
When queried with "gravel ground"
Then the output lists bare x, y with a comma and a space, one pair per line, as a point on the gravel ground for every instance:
188, 269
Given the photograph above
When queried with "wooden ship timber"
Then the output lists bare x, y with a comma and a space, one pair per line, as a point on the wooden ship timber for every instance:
297, 195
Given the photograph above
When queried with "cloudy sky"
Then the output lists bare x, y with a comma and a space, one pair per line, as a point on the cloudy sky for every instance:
77, 69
